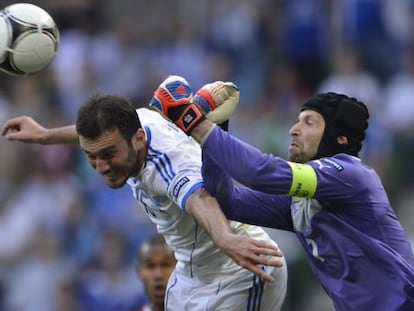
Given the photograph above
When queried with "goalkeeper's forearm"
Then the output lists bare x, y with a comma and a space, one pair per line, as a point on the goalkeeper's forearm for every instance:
202, 130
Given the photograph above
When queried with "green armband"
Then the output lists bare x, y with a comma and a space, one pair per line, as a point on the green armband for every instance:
304, 180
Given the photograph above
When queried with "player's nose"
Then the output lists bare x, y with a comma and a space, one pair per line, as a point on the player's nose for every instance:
102, 166
295, 130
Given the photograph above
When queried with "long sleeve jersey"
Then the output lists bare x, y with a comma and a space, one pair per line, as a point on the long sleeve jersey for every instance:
336, 206
171, 173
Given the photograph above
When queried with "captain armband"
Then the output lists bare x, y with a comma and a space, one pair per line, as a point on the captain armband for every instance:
304, 180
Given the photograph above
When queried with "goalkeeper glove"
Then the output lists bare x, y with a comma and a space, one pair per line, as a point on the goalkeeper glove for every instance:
218, 100
173, 99
214, 101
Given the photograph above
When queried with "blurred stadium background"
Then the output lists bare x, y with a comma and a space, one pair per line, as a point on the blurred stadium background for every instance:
67, 242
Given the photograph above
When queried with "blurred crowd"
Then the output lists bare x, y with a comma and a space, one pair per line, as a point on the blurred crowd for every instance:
68, 242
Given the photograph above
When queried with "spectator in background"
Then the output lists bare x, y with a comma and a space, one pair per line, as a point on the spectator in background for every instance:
398, 117
42, 201
32, 282
348, 75
156, 261
241, 42
361, 23
303, 39
110, 283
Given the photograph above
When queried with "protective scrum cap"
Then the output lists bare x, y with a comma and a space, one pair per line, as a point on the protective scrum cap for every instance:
344, 116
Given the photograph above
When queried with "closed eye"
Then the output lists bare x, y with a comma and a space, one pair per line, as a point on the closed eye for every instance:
105, 154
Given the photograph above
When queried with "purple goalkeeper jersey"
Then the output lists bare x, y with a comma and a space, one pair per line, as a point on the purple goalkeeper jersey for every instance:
354, 243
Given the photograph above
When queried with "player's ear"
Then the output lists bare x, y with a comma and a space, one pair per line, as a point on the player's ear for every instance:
342, 140
138, 140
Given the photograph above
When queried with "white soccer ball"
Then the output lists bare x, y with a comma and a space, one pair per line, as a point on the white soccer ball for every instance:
29, 39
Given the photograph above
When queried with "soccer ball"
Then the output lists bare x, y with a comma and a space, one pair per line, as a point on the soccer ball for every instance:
29, 39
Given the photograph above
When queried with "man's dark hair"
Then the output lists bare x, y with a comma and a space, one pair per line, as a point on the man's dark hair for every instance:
344, 116
155, 240
107, 112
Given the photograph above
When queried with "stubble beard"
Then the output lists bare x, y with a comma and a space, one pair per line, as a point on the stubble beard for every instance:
132, 170
299, 157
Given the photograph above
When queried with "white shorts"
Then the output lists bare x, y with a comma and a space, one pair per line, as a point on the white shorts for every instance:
239, 292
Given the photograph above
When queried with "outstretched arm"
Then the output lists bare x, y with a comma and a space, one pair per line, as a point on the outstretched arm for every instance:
243, 204
27, 130
245, 251
248, 165
202, 131
243, 162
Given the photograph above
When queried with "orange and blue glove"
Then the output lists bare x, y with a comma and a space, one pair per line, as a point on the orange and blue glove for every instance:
214, 101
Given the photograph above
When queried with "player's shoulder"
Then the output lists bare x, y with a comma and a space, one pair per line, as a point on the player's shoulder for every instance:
162, 134
341, 175
150, 117
350, 168
337, 162
157, 127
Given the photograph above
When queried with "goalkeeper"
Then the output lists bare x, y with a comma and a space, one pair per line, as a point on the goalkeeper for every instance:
334, 203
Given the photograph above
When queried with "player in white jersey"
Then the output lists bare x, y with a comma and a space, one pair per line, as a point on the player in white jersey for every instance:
163, 167
168, 174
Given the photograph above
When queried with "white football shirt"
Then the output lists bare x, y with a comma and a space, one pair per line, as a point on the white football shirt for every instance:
171, 173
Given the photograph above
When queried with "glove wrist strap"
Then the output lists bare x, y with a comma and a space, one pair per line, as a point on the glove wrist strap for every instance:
189, 118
